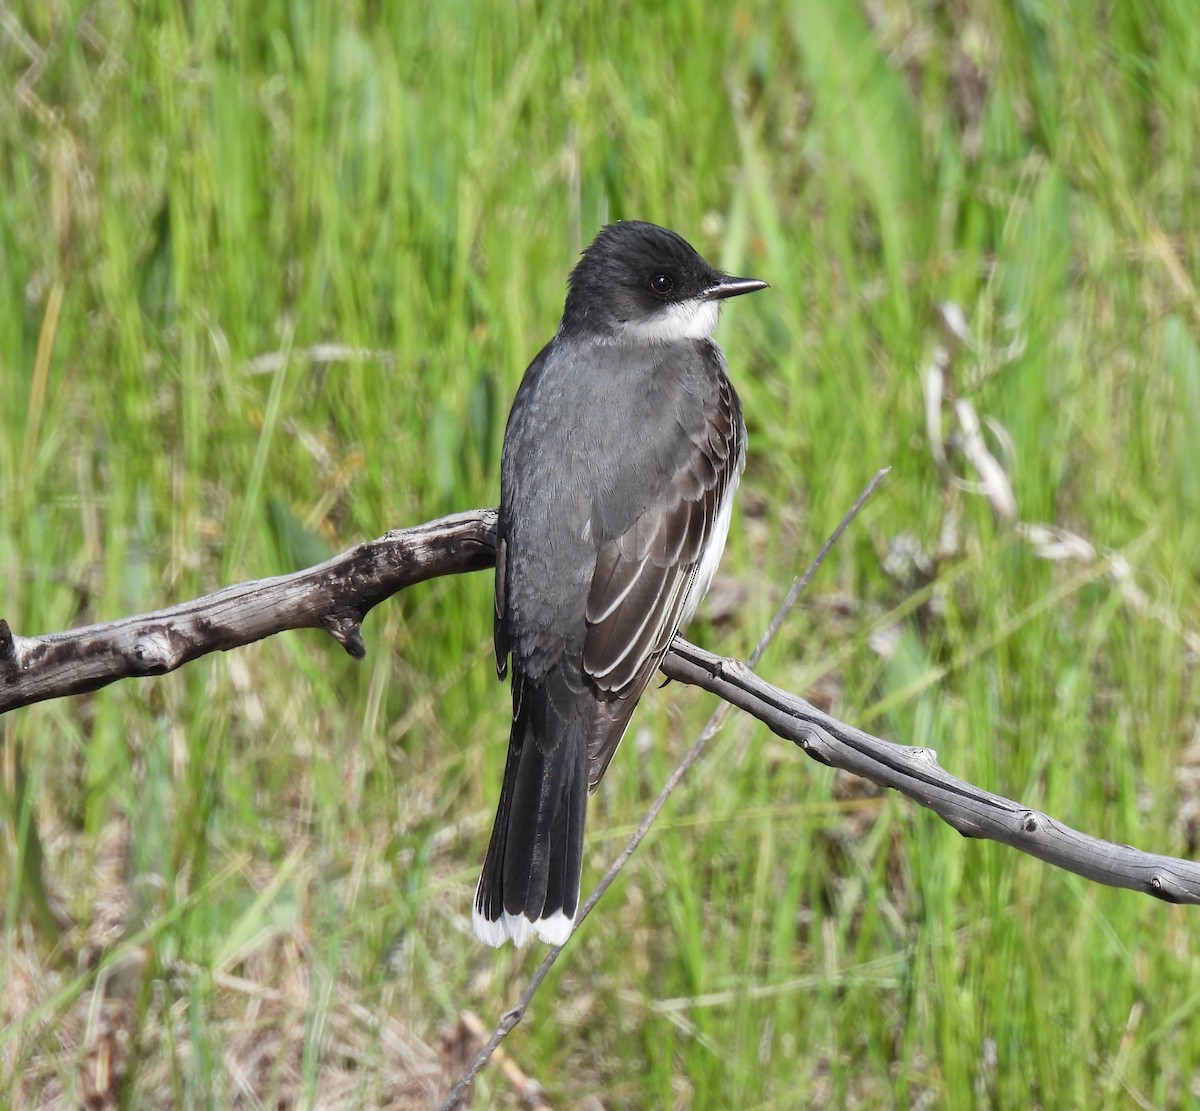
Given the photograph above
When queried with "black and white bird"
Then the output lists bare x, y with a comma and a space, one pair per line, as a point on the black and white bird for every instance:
621, 456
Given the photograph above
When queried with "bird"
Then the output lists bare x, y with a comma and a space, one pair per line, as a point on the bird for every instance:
621, 455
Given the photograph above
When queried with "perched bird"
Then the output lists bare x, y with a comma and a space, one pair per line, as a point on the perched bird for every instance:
621, 456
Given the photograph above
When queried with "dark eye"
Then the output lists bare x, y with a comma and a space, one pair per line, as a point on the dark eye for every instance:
662, 284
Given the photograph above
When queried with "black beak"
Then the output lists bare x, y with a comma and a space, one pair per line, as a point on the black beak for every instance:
728, 286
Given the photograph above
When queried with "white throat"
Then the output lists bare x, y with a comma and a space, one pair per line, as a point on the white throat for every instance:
695, 319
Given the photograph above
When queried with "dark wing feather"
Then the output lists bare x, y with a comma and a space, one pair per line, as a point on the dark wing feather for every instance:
500, 607
516, 420
643, 577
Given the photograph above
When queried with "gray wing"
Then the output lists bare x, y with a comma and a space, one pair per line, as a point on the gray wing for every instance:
643, 577
500, 631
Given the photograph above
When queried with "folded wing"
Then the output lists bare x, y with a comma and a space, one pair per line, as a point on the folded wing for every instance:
646, 579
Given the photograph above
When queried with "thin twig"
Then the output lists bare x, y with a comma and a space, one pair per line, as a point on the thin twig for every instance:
511, 1017
800, 585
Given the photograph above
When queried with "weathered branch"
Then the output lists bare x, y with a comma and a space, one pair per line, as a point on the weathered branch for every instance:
916, 773
337, 595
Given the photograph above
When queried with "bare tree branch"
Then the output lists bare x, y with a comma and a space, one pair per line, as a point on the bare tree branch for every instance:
916, 773
337, 595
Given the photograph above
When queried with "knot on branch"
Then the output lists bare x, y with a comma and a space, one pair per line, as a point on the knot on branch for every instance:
154, 652
346, 629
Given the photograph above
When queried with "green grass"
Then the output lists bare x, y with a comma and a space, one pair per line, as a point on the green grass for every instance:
261, 867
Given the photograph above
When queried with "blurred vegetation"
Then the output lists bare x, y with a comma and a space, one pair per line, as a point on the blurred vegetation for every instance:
269, 276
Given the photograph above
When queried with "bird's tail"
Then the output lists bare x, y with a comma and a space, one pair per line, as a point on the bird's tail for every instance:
530, 880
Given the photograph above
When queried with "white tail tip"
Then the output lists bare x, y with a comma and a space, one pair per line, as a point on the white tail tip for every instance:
554, 928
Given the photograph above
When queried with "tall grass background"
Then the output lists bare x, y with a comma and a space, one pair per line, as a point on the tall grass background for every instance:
269, 276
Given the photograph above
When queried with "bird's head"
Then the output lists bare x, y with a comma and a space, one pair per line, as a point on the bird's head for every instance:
639, 282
